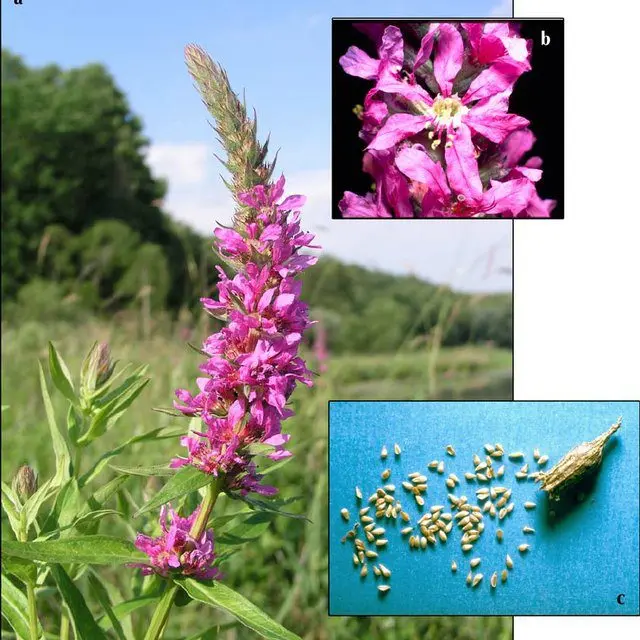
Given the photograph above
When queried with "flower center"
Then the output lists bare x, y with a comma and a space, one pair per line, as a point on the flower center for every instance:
448, 112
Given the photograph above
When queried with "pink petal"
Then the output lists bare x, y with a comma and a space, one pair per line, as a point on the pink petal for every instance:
462, 166
426, 47
355, 206
392, 49
498, 78
412, 92
516, 145
358, 63
398, 127
448, 58
417, 165
292, 203
511, 197
490, 119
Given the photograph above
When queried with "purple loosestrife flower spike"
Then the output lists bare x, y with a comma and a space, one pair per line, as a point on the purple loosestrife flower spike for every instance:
253, 364
440, 138
175, 551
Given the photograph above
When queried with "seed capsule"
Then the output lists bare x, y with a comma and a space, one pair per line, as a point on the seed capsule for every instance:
396, 449
345, 514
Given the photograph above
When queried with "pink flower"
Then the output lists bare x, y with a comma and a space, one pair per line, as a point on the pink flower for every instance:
175, 552
253, 364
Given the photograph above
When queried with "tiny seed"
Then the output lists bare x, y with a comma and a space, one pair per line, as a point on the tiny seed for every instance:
497, 453
384, 453
433, 464
419, 479
477, 580
407, 485
413, 474
494, 579
405, 516
441, 467
509, 562
396, 449
389, 512
389, 499
510, 507
356, 561
370, 536
406, 530
469, 577
474, 563
502, 513
359, 544
380, 492
536, 454
412, 541
525, 468
442, 535
378, 532
420, 500
500, 472
345, 514
454, 566
543, 460
499, 447
489, 448
523, 548
528, 530
476, 459
520, 476
380, 513
385, 572
364, 571
500, 534
481, 477
364, 511
376, 571
481, 467
450, 450
383, 588
492, 511
385, 474
450, 483
467, 547
470, 476
504, 575
370, 554
366, 519
529, 505
389, 487
516, 455
501, 502
361, 557
370, 526
381, 542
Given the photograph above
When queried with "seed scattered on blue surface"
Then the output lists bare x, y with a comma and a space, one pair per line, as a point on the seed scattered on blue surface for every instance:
543, 460
345, 514
529, 505
384, 453
477, 580
396, 449
454, 566
450, 450
509, 562
516, 455
384, 588
385, 474
523, 548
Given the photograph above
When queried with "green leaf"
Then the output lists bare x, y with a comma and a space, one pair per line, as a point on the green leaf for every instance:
14, 609
274, 466
102, 597
125, 609
162, 433
248, 529
12, 507
33, 504
84, 549
74, 424
92, 516
60, 447
24, 570
273, 506
61, 376
112, 411
84, 625
186, 480
222, 597
154, 470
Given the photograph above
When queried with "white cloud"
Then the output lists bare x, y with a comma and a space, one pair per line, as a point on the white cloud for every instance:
503, 9
464, 254
183, 164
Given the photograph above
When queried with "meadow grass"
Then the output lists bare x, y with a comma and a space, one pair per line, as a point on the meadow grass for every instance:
285, 570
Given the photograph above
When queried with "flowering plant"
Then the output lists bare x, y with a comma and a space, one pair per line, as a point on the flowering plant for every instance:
441, 142
251, 369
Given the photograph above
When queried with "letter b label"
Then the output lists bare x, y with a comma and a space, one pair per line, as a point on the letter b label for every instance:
545, 38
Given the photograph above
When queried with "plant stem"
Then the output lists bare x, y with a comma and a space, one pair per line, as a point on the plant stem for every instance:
161, 614
33, 612
64, 625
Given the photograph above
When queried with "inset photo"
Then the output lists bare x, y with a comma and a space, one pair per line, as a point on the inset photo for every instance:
448, 118
483, 508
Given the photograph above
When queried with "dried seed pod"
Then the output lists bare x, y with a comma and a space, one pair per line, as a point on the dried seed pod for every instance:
384, 453
580, 461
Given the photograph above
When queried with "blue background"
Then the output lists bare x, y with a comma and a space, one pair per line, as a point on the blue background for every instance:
577, 564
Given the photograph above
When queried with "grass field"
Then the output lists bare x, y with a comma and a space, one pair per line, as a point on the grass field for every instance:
284, 571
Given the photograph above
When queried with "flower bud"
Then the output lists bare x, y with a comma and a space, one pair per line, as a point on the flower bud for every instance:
25, 483
105, 364
96, 368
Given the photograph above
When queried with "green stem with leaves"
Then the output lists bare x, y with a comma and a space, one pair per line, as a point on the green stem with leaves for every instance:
161, 614
33, 612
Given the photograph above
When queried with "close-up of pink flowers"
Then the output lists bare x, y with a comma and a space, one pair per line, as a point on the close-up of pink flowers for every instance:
440, 139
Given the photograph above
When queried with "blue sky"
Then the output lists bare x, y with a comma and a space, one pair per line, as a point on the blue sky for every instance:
279, 52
